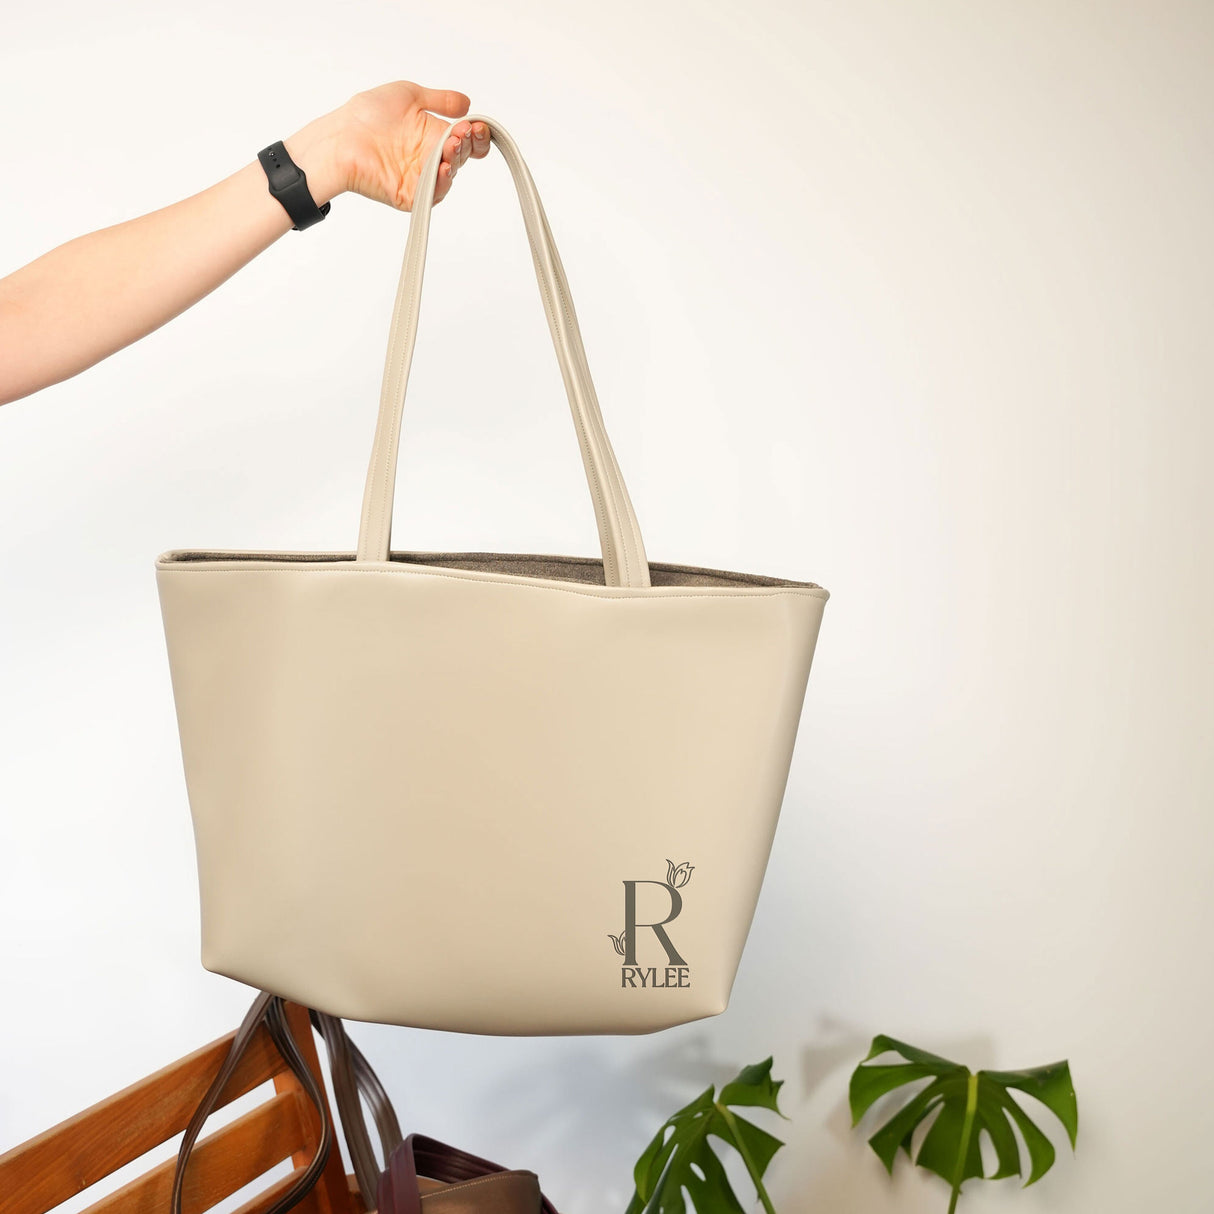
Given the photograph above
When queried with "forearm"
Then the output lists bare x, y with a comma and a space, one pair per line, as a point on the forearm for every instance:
85, 299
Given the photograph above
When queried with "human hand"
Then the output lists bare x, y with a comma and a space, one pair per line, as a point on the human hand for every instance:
377, 142
78, 303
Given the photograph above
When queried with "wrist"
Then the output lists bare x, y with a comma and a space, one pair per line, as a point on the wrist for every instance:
317, 148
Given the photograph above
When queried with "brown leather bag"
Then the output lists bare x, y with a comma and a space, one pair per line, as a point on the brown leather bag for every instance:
422, 1176
425, 1176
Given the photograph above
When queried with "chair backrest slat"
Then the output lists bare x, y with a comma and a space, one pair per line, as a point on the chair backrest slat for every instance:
67, 1159
221, 1164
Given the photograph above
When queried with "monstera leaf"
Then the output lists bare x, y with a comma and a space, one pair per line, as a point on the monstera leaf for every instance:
968, 1104
681, 1157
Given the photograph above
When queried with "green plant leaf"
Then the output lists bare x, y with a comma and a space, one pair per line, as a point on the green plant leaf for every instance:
1052, 1086
965, 1105
898, 1130
681, 1158
882, 1044
869, 1083
754, 1086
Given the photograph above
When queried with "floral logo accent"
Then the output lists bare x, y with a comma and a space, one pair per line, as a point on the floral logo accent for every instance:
677, 875
618, 941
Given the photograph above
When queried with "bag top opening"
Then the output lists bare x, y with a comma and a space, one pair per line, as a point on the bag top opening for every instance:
587, 569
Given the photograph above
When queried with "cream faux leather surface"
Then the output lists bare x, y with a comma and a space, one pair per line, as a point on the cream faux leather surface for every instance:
429, 788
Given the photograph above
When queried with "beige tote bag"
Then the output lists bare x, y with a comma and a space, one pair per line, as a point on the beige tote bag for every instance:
479, 791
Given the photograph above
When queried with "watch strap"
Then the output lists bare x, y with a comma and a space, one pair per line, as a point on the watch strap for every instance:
289, 184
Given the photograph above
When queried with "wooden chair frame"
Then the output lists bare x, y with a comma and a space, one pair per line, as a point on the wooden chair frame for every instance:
69, 1158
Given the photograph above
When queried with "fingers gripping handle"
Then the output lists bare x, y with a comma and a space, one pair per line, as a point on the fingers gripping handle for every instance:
624, 560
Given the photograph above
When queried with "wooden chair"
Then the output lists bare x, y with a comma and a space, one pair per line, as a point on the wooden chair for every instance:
67, 1159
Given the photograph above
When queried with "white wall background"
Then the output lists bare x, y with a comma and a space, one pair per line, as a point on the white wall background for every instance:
910, 299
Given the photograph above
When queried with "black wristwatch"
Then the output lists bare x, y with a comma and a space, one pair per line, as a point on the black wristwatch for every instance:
289, 185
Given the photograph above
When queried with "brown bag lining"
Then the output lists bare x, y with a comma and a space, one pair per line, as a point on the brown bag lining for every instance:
586, 569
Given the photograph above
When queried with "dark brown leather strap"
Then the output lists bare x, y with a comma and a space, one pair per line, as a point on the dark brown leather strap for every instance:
267, 1009
353, 1081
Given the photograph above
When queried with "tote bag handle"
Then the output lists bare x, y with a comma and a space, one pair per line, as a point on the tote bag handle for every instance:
624, 562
